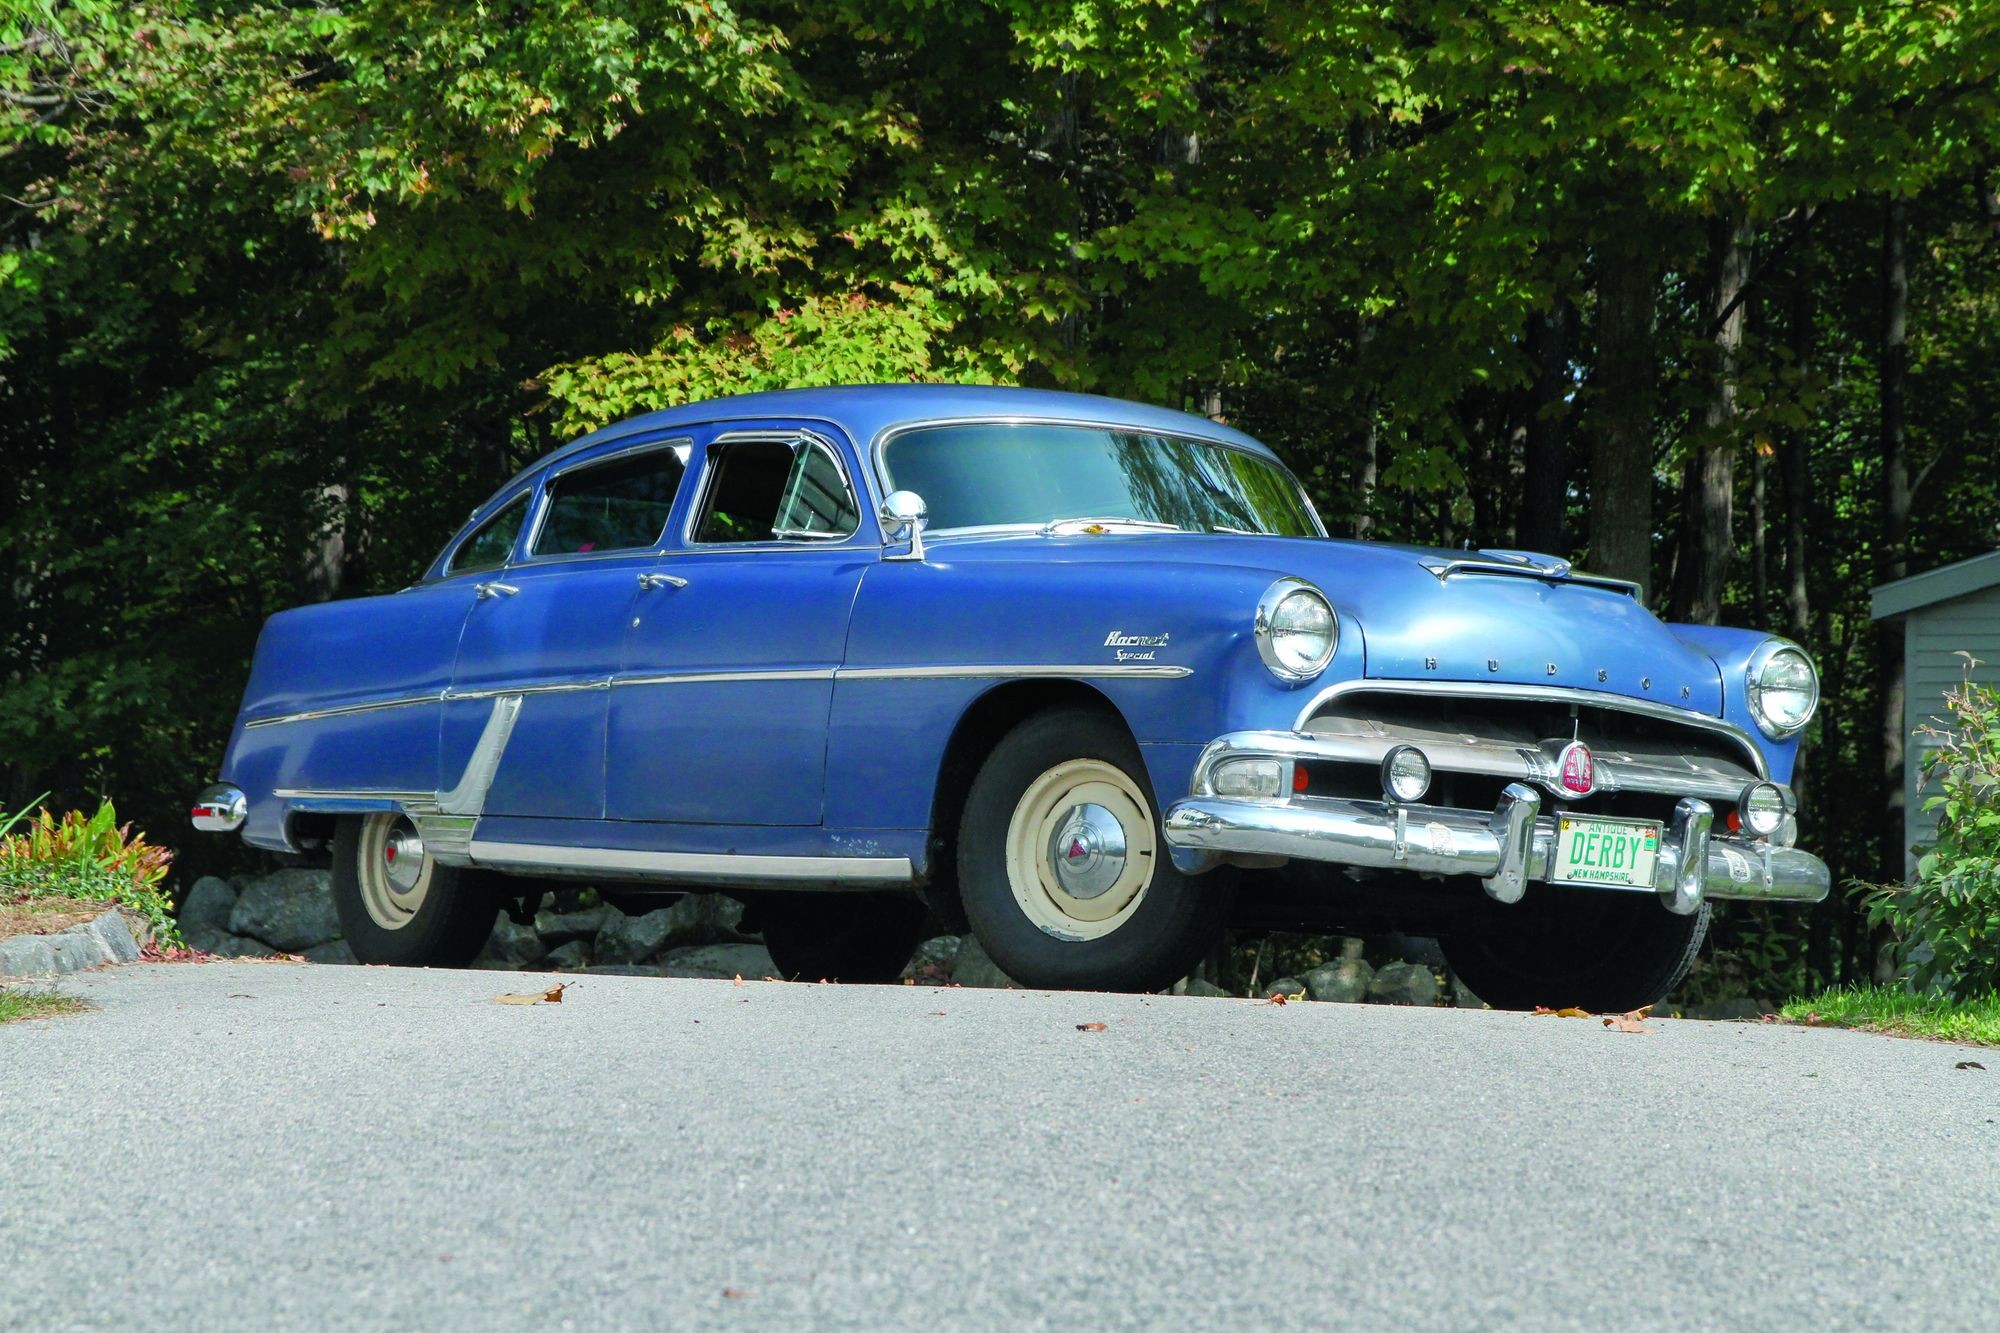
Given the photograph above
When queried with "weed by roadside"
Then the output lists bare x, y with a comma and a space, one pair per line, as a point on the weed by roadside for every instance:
15, 1006
1897, 1012
84, 859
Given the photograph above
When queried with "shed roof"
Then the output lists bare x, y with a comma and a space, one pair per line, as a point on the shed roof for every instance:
1937, 585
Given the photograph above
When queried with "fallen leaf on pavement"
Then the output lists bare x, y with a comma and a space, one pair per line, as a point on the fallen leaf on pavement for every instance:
1632, 1022
1282, 998
731, 1293
1568, 1011
553, 995
739, 979
1090, 1027
1968, 1064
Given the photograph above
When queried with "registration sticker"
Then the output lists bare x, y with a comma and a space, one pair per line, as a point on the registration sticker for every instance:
1620, 852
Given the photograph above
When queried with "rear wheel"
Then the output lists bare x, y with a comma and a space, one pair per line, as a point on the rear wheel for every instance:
857, 937
398, 906
1605, 952
1064, 871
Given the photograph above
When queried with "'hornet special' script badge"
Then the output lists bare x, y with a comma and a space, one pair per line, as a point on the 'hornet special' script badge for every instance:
1135, 647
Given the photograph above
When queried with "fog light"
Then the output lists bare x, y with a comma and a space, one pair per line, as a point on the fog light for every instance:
1762, 808
1406, 774
1249, 779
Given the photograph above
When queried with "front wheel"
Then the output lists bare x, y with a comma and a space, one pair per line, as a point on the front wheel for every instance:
397, 905
1603, 951
1063, 868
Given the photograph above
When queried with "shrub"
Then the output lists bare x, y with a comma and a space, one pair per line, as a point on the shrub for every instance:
1948, 919
89, 858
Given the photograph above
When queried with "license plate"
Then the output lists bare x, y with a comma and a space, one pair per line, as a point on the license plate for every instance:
1621, 852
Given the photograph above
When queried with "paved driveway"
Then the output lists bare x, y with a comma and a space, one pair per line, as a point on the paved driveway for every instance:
242, 1145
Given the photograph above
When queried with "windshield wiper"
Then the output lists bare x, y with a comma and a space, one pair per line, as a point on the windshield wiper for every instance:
1069, 527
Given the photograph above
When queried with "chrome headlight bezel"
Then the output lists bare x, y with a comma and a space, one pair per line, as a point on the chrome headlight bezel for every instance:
1770, 651
1269, 631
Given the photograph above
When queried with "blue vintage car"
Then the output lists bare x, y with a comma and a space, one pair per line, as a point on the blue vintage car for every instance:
1085, 675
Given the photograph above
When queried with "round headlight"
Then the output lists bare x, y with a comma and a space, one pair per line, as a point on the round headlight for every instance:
1783, 688
1296, 629
1761, 809
1406, 774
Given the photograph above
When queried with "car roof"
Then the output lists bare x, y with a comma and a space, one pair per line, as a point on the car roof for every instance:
865, 410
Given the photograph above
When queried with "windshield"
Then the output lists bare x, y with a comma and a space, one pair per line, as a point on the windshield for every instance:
997, 473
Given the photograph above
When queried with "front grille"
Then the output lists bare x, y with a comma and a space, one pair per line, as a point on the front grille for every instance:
1479, 744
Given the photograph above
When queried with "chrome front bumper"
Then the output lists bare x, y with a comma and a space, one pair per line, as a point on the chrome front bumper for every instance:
1504, 848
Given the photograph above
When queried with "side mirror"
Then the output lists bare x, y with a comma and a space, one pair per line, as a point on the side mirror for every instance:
903, 518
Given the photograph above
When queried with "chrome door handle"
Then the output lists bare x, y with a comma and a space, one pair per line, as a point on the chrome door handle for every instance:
486, 590
648, 582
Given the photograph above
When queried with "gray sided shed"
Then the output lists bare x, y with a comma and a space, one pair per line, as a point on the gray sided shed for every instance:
1946, 612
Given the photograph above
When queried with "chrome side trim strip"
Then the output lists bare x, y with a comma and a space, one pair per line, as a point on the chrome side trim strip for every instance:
1472, 689
709, 677
349, 794
343, 710
986, 671
469, 796
1002, 671
696, 865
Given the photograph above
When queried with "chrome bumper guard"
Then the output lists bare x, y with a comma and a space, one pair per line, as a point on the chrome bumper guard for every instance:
1505, 848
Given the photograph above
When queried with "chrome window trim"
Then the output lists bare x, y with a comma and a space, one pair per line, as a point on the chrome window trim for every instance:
789, 435
1617, 703
448, 570
879, 465
683, 445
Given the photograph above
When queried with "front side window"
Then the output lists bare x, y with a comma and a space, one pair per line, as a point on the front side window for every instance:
493, 543
619, 505
1010, 474
775, 490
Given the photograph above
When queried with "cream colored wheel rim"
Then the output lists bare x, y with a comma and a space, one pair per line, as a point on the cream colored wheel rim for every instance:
393, 870
1080, 849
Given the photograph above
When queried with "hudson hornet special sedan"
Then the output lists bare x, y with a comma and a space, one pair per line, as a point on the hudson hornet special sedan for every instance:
1084, 676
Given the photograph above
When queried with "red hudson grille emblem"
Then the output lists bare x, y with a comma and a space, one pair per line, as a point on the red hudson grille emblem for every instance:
1575, 769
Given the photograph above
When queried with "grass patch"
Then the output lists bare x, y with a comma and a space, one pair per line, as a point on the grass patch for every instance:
15, 1006
1895, 1011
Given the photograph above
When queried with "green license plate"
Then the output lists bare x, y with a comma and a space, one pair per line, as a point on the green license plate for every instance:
1605, 851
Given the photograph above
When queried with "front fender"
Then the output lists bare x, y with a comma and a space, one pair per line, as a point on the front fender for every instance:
1730, 649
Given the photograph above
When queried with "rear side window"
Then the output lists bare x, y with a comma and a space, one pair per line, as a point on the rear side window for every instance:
490, 546
620, 505
775, 490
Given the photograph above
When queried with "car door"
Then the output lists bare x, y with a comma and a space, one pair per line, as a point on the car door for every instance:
720, 711
524, 723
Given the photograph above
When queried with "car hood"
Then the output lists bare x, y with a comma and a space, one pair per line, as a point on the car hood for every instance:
1470, 626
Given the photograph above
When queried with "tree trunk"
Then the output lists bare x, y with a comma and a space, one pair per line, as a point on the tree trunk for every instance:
1371, 464
1760, 554
1622, 405
1545, 494
1707, 540
1893, 547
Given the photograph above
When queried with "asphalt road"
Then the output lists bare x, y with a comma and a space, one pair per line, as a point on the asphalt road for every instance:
245, 1145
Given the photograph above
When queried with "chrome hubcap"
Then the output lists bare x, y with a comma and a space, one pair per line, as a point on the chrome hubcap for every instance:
1088, 850
403, 860
393, 872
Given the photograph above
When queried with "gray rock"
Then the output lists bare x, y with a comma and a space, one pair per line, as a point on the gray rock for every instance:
1462, 996
114, 935
1399, 948
621, 970
207, 907
703, 918
27, 956
971, 967
1343, 981
571, 957
1198, 986
238, 946
1404, 983
939, 951
77, 948
1290, 987
634, 939
333, 951
205, 937
752, 962
511, 946
562, 927
289, 910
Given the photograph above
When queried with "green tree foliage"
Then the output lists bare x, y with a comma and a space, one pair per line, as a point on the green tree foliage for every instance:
285, 289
